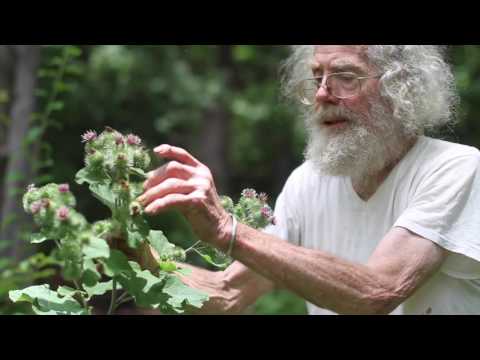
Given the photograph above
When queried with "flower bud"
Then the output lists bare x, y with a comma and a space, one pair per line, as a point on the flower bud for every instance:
119, 140
135, 208
249, 193
64, 188
133, 140
63, 213
263, 198
95, 160
89, 136
36, 207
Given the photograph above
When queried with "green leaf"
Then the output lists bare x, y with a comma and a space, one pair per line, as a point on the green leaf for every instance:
65, 291
99, 289
46, 301
37, 238
96, 248
73, 51
143, 286
138, 231
55, 106
33, 135
138, 172
180, 294
167, 266
161, 245
86, 176
104, 194
117, 263
90, 276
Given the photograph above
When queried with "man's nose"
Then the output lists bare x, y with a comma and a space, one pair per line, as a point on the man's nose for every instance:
324, 95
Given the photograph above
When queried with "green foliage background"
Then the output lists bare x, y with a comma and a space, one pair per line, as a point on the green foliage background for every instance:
165, 94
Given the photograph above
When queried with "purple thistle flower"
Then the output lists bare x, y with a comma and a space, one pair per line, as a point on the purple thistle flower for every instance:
249, 193
36, 207
63, 213
89, 136
267, 213
64, 188
133, 140
31, 188
119, 140
263, 198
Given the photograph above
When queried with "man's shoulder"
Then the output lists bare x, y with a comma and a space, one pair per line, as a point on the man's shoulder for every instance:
436, 156
304, 174
448, 149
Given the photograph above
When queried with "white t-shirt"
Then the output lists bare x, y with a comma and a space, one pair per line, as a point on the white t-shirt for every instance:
433, 192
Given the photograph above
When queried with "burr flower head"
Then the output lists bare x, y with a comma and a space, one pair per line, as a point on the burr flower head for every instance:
64, 188
63, 213
89, 136
133, 140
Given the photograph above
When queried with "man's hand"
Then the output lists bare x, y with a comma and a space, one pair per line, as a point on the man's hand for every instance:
188, 186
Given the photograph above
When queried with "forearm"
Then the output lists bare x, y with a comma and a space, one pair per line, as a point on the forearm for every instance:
231, 291
321, 279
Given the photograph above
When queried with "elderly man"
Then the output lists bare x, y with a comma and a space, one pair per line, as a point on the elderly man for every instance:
380, 219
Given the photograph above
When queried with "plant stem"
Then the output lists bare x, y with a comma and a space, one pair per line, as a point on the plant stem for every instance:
193, 247
122, 299
113, 300
84, 303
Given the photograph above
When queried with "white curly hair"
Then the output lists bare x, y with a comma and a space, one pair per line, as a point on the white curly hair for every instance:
417, 82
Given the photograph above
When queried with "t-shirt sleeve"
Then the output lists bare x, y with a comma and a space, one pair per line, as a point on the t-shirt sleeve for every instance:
445, 208
287, 219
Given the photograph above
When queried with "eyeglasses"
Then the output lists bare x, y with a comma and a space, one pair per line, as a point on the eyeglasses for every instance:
344, 85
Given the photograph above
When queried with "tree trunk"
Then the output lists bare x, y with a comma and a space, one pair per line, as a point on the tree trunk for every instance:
214, 133
27, 58
5, 90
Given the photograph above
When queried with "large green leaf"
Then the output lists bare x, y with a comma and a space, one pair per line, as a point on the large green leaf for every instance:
104, 194
117, 263
138, 231
90, 276
181, 295
99, 289
89, 177
96, 248
143, 286
160, 243
38, 238
47, 302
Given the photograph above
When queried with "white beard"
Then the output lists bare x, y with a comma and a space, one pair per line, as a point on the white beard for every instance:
356, 151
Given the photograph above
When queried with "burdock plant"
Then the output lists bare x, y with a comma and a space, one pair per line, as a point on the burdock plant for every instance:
97, 258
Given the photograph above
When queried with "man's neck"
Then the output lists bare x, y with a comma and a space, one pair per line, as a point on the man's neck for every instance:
366, 186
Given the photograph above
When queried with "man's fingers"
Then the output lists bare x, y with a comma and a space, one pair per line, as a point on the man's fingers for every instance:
178, 154
169, 186
173, 169
168, 202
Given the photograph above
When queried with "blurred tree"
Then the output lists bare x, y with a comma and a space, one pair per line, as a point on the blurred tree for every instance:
18, 169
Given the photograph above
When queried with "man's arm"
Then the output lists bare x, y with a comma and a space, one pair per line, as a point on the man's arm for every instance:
401, 264
231, 291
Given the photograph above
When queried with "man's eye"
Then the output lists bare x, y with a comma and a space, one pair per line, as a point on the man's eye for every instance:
347, 77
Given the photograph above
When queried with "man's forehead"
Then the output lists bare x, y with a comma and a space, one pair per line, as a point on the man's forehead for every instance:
339, 55
329, 49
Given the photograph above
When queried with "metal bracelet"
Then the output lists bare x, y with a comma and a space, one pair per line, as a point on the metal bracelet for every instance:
234, 236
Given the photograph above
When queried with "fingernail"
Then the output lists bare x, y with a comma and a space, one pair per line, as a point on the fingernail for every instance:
162, 148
